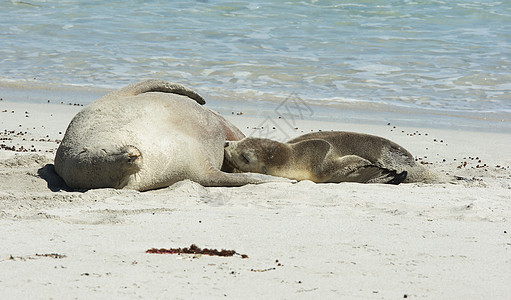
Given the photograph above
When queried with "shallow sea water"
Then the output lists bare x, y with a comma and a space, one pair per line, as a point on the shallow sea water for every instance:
421, 60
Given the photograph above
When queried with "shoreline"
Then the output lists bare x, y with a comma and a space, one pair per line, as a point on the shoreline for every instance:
347, 112
449, 239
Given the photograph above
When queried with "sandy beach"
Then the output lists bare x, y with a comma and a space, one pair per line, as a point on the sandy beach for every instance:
445, 240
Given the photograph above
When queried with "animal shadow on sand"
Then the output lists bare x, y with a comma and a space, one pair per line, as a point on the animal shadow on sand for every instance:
54, 181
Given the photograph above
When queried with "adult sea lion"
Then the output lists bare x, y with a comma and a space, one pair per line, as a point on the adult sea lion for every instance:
326, 157
145, 136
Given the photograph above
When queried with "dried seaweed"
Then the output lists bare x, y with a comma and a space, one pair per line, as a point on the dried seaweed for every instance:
194, 249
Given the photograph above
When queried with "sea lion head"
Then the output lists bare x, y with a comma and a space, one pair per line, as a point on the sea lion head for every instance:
256, 155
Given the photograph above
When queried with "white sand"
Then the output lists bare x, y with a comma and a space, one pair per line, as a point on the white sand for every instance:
449, 240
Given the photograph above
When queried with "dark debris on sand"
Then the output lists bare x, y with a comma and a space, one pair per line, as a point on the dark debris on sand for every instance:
194, 249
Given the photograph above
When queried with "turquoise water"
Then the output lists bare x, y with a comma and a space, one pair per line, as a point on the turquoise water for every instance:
438, 57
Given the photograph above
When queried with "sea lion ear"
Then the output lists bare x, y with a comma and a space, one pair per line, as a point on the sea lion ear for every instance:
265, 170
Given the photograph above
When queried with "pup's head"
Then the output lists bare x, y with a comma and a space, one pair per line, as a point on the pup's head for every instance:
256, 155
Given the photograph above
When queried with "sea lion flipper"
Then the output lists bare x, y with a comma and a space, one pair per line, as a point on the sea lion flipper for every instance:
215, 177
397, 177
370, 174
156, 85
353, 168
375, 174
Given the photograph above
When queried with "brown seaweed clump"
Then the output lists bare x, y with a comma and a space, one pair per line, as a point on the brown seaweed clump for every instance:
194, 249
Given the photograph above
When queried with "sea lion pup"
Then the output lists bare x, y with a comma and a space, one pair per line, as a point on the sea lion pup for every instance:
145, 136
326, 157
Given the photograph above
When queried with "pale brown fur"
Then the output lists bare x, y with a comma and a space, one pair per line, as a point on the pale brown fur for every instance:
326, 157
145, 136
